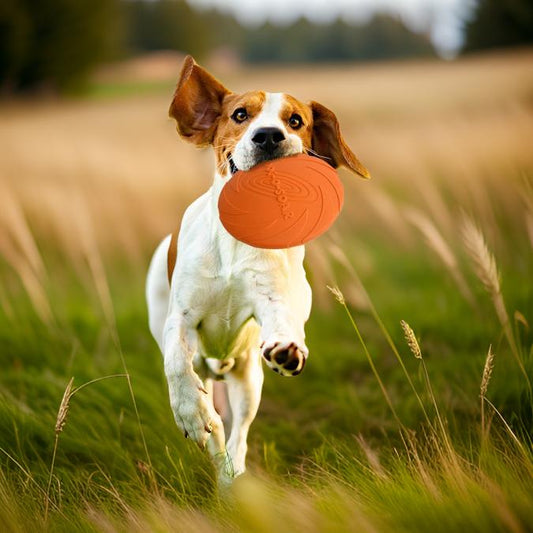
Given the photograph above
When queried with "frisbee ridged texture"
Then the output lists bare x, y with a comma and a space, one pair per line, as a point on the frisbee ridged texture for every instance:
281, 203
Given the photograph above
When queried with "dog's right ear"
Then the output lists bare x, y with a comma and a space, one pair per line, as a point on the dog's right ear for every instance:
197, 103
328, 141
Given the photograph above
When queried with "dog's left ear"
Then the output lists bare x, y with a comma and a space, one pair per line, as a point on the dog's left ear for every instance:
197, 103
327, 141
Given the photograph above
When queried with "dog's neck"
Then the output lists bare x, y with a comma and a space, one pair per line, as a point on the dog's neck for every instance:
216, 188
218, 232
218, 183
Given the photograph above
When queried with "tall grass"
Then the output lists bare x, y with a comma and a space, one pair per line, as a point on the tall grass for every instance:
394, 426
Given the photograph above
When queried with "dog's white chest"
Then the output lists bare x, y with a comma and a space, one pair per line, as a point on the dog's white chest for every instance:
227, 309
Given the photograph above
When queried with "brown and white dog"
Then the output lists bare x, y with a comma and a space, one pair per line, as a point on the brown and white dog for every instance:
224, 306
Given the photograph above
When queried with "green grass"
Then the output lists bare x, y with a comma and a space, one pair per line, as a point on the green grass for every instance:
326, 452
309, 471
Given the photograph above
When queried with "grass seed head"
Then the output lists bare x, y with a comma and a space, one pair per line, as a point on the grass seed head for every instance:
338, 294
411, 339
483, 261
64, 407
487, 372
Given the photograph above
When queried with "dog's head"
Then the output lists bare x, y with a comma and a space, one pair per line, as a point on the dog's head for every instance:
246, 129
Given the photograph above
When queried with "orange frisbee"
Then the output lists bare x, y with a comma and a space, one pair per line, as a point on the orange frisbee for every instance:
281, 203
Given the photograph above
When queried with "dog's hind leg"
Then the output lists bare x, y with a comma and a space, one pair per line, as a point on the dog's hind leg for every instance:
216, 444
244, 383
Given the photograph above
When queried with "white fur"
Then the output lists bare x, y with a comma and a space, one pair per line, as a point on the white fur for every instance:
225, 302
268, 118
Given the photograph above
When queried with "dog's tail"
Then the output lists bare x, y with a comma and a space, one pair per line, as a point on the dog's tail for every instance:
158, 291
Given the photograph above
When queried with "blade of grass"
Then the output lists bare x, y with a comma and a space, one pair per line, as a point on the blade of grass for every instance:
340, 298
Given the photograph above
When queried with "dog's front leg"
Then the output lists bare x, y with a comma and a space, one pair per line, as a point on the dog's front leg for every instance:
193, 411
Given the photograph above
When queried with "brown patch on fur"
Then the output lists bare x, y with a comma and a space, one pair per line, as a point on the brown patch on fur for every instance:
229, 132
172, 255
290, 106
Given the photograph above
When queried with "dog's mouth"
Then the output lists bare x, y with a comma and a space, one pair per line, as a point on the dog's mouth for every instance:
266, 157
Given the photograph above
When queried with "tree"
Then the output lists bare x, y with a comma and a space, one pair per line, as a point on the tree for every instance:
164, 25
499, 24
387, 37
53, 43
383, 37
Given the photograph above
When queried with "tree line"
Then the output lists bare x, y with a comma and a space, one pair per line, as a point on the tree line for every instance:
54, 43
173, 24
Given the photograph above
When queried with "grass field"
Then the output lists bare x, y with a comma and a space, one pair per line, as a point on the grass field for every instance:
380, 433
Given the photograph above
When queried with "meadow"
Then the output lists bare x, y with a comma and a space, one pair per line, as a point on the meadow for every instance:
414, 412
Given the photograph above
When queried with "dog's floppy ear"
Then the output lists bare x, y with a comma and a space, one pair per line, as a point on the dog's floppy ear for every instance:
197, 103
327, 141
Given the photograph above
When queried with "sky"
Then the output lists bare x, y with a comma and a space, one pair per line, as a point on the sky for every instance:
443, 18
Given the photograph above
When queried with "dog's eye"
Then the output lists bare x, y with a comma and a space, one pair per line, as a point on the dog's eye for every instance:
240, 115
295, 121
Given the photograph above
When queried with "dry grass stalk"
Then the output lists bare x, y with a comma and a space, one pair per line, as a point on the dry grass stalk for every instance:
483, 261
357, 295
529, 228
487, 372
501, 505
29, 477
412, 447
526, 455
19, 249
64, 407
411, 339
61, 419
484, 265
437, 243
485, 379
388, 210
340, 298
30, 280
89, 244
372, 457
321, 266
519, 318
339, 254
15, 222
338, 294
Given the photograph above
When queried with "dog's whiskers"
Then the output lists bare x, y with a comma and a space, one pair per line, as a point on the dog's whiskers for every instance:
310, 151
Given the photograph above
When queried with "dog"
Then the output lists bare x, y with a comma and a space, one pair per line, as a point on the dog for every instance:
217, 307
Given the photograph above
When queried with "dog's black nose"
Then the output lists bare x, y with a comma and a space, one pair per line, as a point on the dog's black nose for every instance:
268, 139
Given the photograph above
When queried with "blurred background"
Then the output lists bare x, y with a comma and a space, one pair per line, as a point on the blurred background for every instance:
55, 45
436, 99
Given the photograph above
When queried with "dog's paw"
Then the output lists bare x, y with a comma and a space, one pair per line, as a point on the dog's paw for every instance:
193, 413
285, 358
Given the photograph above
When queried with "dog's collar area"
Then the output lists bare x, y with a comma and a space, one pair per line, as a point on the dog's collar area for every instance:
232, 166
